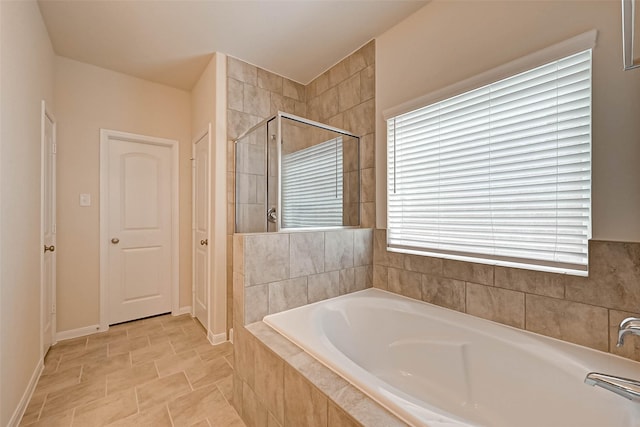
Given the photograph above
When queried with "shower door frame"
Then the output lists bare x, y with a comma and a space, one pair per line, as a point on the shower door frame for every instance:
278, 117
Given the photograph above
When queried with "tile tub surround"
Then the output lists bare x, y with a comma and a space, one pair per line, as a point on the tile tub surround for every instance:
277, 384
581, 310
274, 272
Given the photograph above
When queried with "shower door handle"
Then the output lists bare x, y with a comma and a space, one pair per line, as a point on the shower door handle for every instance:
271, 215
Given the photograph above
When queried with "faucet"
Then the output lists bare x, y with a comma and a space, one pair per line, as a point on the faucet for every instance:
629, 389
630, 325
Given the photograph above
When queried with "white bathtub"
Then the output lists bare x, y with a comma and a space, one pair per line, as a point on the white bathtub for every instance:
436, 367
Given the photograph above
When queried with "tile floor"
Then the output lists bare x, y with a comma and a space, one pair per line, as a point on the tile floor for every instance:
159, 371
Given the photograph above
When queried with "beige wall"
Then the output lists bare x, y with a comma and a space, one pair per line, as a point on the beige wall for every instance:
208, 101
26, 71
446, 42
88, 98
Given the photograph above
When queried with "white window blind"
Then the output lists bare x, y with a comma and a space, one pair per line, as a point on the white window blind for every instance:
312, 186
500, 173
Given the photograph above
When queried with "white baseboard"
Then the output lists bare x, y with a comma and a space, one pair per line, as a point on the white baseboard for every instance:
231, 335
216, 339
182, 310
26, 396
80, 332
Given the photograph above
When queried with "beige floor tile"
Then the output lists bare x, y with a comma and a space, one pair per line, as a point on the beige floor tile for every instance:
107, 337
58, 380
195, 328
225, 386
209, 352
62, 419
106, 410
51, 362
152, 352
112, 378
142, 329
184, 319
196, 406
208, 373
94, 370
131, 377
127, 345
154, 417
71, 345
162, 390
32, 413
225, 416
229, 359
81, 357
177, 363
72, 396
186, 342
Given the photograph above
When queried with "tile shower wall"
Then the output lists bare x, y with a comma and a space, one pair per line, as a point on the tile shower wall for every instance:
253, 94
274, 384
582, 310
343, 96
274, 272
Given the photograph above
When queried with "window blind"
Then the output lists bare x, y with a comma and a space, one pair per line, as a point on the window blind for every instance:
502, 172
312, 186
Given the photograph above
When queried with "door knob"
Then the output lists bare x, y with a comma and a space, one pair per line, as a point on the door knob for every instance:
204, 242
49, 248
115, 240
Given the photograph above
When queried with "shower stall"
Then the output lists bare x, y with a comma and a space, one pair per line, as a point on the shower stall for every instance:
294, 173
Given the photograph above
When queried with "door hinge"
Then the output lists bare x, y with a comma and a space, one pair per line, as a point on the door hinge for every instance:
53, 229
53, 309
54, 148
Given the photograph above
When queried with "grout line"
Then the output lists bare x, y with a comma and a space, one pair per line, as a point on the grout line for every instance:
73, 415
524, 323
135, 393
166, 406
42, 406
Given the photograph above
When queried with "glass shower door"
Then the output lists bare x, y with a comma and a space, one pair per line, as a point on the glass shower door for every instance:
251, 179
272, 176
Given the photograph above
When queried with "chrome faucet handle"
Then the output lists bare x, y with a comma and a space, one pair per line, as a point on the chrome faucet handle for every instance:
630, 325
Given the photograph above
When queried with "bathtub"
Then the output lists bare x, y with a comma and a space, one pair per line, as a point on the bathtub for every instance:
435, 367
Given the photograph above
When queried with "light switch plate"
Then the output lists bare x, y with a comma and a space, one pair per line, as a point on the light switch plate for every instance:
85, 199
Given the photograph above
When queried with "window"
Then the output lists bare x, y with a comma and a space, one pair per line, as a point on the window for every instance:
312, 186
499, 174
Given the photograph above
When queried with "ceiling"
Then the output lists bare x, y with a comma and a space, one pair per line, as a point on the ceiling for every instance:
171, 42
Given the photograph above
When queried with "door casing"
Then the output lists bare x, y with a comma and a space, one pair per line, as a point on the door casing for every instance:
206, 134
46, 114
105, 136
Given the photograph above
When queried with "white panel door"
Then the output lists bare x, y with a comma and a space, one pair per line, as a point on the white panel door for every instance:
201, 216
48, 228
139, 198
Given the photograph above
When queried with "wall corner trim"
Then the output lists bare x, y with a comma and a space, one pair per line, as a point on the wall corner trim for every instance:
216, 339
79, 332
26, 397
183, 310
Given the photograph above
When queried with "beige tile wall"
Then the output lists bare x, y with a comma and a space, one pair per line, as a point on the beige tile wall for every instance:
274, 272
253, 94
277, 384
343, 96
582, 310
